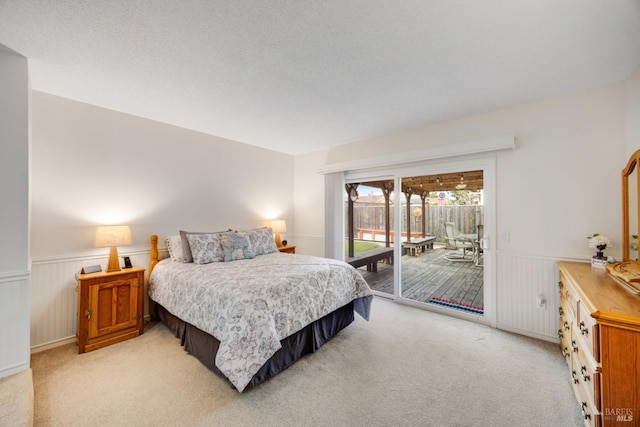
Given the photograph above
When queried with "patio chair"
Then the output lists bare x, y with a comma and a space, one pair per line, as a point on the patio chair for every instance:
458, 244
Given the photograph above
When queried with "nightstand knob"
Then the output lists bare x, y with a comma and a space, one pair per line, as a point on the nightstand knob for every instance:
88, 313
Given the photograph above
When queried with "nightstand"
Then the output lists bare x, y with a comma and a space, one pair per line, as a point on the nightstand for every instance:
287, 249
110, 307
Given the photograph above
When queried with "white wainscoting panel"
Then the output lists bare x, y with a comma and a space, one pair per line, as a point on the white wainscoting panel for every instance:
308, 245
54, 303
521, 280
14, 323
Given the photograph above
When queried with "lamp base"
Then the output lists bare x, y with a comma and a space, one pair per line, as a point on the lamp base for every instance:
278, 241
114, 262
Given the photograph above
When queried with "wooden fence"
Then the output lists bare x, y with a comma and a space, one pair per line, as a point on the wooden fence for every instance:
370, 216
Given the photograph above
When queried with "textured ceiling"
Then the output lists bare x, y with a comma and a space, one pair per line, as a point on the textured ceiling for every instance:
298, 76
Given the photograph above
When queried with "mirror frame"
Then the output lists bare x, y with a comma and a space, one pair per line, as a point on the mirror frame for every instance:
634, 160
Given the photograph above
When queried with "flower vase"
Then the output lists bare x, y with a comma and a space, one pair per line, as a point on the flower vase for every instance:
598, 260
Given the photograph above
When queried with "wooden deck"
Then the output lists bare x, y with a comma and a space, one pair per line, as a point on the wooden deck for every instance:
431, 276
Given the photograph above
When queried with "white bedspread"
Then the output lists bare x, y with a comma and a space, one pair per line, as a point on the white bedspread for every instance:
250, 305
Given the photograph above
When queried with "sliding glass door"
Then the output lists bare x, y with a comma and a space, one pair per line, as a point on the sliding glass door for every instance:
438, 221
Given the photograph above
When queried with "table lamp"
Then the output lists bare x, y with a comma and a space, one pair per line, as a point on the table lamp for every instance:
112, 236
278, 226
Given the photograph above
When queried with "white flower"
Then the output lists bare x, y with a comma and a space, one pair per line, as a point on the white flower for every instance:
599, 242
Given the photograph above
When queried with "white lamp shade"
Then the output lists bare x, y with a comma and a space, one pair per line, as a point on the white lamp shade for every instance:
279, 226
113, 235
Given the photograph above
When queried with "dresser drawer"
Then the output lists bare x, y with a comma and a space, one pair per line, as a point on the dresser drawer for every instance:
568, 298
590, 412
589, 378
589, 331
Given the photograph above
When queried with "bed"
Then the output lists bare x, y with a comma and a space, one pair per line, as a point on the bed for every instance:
245, 310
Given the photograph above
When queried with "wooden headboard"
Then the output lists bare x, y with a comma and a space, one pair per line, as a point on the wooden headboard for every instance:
154, 253
153, 260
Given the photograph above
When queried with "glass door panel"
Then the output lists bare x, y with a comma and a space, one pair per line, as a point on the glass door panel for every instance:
369, 239
441, 223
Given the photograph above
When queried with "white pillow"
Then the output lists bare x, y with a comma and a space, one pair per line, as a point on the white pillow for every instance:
174, 246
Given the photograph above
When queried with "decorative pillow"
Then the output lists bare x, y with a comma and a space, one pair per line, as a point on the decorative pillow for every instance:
261, 240
186, 249
174, 246
205, 248
235, 246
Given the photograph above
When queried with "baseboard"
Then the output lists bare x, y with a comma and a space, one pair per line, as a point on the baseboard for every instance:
529, 334
54, 344
12, 370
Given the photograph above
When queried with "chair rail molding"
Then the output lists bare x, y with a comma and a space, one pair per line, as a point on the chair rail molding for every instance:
14, 276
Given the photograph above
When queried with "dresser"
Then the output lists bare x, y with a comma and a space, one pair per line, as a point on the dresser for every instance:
110, 307
599, 335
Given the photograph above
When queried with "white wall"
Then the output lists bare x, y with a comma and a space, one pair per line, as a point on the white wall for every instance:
633, 112
95, 166
560, 185
14, 213
309, 204
91, 166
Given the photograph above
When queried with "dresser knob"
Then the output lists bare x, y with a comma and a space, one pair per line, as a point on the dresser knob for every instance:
574, 375
583, 329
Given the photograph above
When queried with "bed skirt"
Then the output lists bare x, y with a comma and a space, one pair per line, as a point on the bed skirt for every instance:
204, 346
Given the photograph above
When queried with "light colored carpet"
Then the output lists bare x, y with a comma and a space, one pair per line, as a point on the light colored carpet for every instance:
406, 367
16, 400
